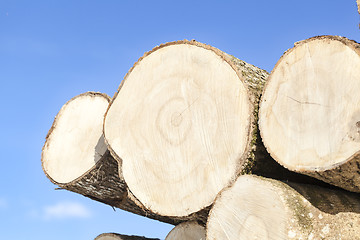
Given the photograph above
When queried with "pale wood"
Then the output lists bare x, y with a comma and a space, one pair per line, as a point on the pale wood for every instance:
116, 236
358, 5
187, 231
183, 125
262, 208
310, 111
75, 157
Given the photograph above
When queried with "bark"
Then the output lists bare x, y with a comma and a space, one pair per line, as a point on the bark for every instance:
102, 181
261, 208
310, 111
149, 125
188, 231
116, 236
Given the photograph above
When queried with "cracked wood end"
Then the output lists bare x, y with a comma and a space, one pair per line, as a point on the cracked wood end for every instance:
310, 110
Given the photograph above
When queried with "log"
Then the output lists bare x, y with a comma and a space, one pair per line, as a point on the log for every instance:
116, 236
188, 231
75, 156
358, 5
262, 208
183, 125
309, 116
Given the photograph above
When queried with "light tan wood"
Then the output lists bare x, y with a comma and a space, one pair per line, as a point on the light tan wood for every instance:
187, 231
266, 209
358, 5
182, 125
116, 236
75, 143
310, 111
75, 158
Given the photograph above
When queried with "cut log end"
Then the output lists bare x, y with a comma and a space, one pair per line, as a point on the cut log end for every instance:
187, 108
247, 210
310, 111
188, 231
75, 141
260, 208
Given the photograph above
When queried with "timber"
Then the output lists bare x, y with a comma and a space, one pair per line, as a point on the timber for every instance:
75, 157
309, 116
183, 125
261, 208
187, 231
116, 236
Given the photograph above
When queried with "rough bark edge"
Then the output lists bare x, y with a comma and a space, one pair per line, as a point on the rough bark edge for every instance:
104, 184
123, 237
329, 174
253, 87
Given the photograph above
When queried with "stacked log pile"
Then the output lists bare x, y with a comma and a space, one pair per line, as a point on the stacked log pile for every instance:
180, 138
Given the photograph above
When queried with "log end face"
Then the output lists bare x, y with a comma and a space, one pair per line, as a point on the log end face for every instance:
75, 142
187, 110
249, 209
188, 231
310, 110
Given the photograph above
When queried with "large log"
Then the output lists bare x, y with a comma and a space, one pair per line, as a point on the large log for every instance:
187, 231
261, 208
75, 157
116, 236
310, 110
183, 125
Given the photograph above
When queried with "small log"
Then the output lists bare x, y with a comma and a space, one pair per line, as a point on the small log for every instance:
309, 116
187, 231
116, 236
75, 157
183, 125
261, 208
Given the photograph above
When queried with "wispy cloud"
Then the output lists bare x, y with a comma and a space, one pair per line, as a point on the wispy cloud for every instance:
64, 210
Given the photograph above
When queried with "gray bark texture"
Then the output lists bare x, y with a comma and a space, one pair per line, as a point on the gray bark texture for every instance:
103, 184
116, 236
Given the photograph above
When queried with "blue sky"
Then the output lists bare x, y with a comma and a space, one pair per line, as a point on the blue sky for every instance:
51, 51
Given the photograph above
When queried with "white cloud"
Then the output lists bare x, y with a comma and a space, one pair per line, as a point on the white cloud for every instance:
63, 210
